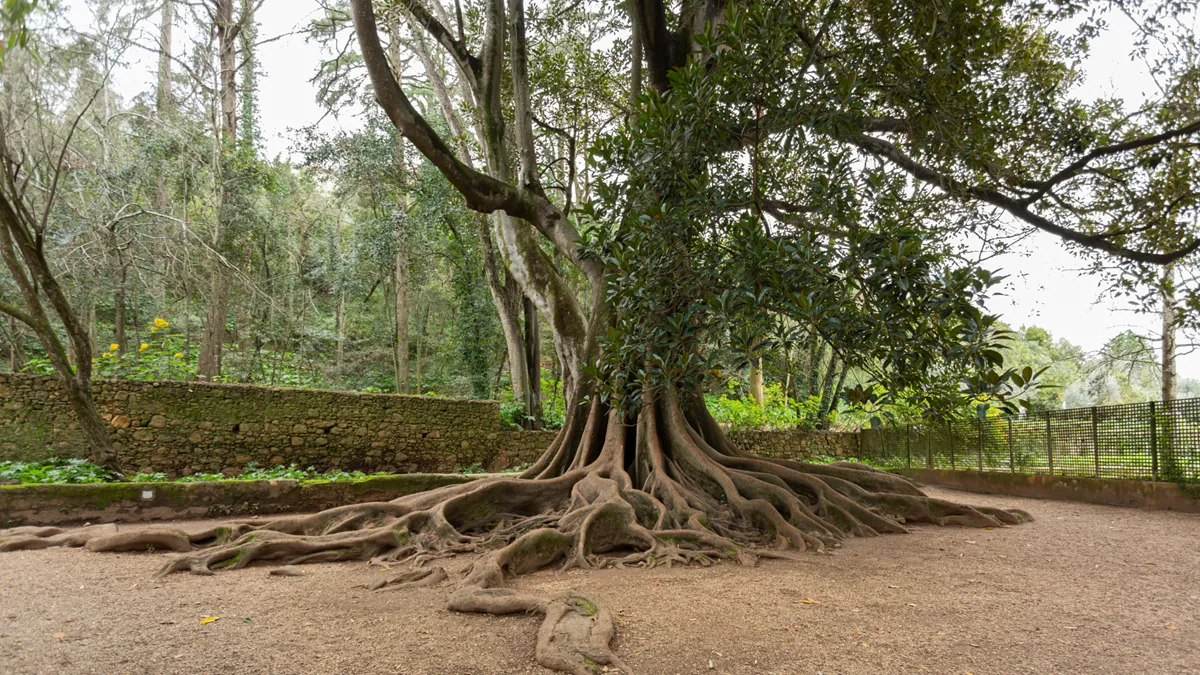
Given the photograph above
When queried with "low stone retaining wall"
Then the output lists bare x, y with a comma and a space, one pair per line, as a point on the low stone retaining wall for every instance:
792, 444
188, 427
182, 428
1144, 494
134, 502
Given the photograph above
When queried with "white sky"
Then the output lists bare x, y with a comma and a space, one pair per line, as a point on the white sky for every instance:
1044, 288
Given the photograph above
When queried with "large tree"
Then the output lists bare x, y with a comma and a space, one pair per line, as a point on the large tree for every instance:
817, 160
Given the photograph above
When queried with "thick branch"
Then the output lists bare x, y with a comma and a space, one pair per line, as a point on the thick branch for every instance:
885, 150
482, 192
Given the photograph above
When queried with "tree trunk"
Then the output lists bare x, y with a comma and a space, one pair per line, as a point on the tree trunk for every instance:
533, 364
16, 351
212, 336
341, 336
400, 282
1168, 334
165, 98
816, 351
208, 365
119, 319
756, 380
30, 273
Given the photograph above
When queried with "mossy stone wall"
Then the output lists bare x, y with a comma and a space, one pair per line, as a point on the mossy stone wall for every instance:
183, 428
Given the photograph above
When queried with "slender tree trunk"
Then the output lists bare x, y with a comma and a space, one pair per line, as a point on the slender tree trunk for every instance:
16, 351
341, 336
400, 281
827, 387
421, 347
815, 353
1168, 334
119, 319
533, 364
208, 365
165, 98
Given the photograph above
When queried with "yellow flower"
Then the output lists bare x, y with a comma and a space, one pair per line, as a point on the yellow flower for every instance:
143, 347
160, 323
179, 355
106, 355
113, 347
153, 329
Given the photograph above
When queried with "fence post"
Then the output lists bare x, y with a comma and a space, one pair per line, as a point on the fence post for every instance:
908, 445
1012, 457
1096, 439
1049, 445
928, 449
1153, 442
979, 428
950, 431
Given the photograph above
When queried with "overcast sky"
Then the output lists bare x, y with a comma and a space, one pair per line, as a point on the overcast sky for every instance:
1044, 288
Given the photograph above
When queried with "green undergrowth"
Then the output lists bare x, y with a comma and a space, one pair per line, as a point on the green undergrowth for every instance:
75, 471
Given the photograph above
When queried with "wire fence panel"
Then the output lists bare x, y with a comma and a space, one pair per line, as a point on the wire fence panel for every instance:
1138, 441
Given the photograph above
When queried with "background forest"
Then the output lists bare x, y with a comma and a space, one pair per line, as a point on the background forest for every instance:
190, 254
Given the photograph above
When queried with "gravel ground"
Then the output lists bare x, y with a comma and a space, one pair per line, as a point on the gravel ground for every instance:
1084, 589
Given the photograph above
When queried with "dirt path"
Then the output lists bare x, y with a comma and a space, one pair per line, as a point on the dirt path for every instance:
1085, 589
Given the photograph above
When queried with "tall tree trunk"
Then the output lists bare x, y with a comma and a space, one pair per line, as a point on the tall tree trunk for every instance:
1168, 334
341, 335
165, 98
208, 365
400, 277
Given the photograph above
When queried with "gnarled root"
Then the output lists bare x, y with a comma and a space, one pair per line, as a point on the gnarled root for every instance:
669, 489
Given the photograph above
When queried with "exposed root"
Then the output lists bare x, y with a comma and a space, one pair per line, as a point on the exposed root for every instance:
669, 490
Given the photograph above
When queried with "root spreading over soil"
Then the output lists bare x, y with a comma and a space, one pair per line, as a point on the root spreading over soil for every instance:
667, 489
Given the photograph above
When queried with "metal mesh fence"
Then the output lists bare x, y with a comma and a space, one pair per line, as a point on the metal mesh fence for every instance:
1141, 441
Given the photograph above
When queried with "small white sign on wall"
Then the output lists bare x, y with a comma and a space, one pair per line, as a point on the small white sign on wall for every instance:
147, 494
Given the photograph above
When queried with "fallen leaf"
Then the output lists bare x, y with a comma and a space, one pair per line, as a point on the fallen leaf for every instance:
970, 542
856, 634
989, 528
59, 636
864, 644
809, 601
1149, 563
247, 619
1172, 628
208, 619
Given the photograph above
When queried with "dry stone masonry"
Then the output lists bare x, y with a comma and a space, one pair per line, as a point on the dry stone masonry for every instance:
188, 427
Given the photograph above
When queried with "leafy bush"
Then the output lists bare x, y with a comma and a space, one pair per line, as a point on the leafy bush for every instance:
776, 412
55, 470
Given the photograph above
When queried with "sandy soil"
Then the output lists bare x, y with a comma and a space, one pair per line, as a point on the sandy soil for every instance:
1085, 589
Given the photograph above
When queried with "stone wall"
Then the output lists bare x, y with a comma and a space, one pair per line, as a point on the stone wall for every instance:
187, 427
796, 444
